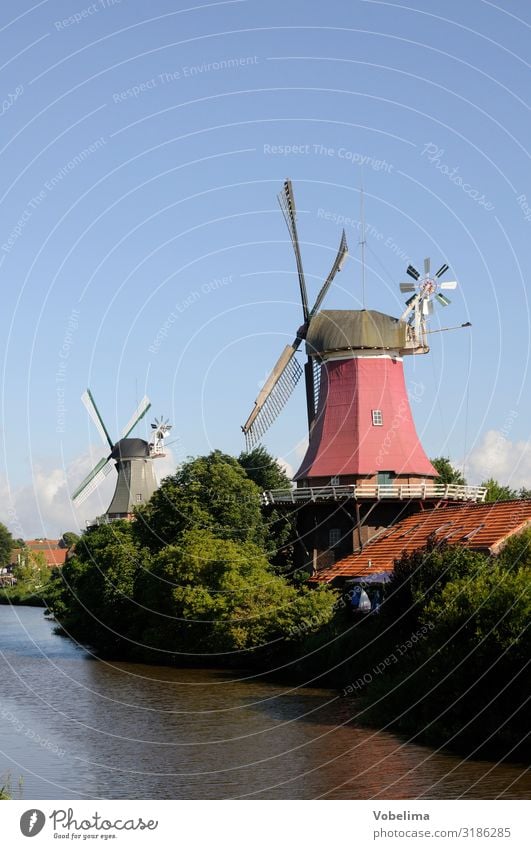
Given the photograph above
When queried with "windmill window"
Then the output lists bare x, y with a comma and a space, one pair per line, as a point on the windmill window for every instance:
377, 418
334, 481
138, 497
334, 537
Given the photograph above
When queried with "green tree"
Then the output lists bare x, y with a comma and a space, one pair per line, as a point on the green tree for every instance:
498, 492
32, 572
476, 681
209, 594
6, 545
421, 575
463, 682
262, 468
446, 472
93, 597
516, 552
70, 538
212, 493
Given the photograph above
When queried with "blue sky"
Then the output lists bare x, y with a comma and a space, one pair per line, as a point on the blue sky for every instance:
142, 148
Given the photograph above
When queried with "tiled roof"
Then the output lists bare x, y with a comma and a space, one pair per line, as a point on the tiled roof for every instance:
483, 527
55, 557
38, 544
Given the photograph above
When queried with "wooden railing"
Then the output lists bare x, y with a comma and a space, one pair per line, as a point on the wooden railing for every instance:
451, 492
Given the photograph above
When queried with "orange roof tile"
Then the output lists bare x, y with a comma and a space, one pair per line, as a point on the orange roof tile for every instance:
55, 558
483, 527
42, 543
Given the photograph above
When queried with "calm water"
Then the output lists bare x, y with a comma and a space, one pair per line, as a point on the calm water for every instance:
74, 727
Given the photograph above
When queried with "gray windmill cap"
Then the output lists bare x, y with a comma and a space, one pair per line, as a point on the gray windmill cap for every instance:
339, 330
130, 449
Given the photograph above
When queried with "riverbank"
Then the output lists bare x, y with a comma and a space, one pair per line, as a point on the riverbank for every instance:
82, 728
204, 577
23, 597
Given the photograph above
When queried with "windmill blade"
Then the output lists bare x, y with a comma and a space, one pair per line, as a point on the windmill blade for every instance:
427, 265
316, 382
449, 284
274, 394
286, 200
93, 480
139, 413
412, 271
407, 287
341, 258
94, 414
442, 270
442, 299
411, 304
427, 307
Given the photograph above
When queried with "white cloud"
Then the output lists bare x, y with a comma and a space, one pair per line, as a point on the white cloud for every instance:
297, 454
166, 465
44, 508
497, 457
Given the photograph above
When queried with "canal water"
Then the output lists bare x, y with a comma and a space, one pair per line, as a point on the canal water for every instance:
75, 727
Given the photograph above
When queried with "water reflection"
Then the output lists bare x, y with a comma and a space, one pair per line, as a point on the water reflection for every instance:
74, 727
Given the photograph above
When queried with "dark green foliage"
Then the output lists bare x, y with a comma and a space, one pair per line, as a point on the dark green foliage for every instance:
190, 577
262, 468
6, 545
498, 492
95, 599
213, 595
446, 472
517, 552
69, 539
420, 575
210, 493
465, 681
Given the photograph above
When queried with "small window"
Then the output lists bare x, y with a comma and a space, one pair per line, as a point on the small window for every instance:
334, 481
334, 537
138, 497
377, 418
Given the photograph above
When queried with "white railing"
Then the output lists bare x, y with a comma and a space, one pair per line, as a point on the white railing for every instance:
452, 492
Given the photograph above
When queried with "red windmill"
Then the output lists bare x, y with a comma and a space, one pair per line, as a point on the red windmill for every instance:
363, 446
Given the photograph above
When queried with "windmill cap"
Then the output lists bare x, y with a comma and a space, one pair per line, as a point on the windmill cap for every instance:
337, 330
129, 449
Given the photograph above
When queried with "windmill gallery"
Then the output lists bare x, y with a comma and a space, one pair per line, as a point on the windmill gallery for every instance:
365, 470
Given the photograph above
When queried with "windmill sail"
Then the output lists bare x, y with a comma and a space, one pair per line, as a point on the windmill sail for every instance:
339, 262
94, 414
286, 200
273, 396
93, 480
287, 371
139, 413
105, 465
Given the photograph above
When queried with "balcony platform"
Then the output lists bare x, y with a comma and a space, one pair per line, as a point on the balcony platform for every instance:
406, 492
